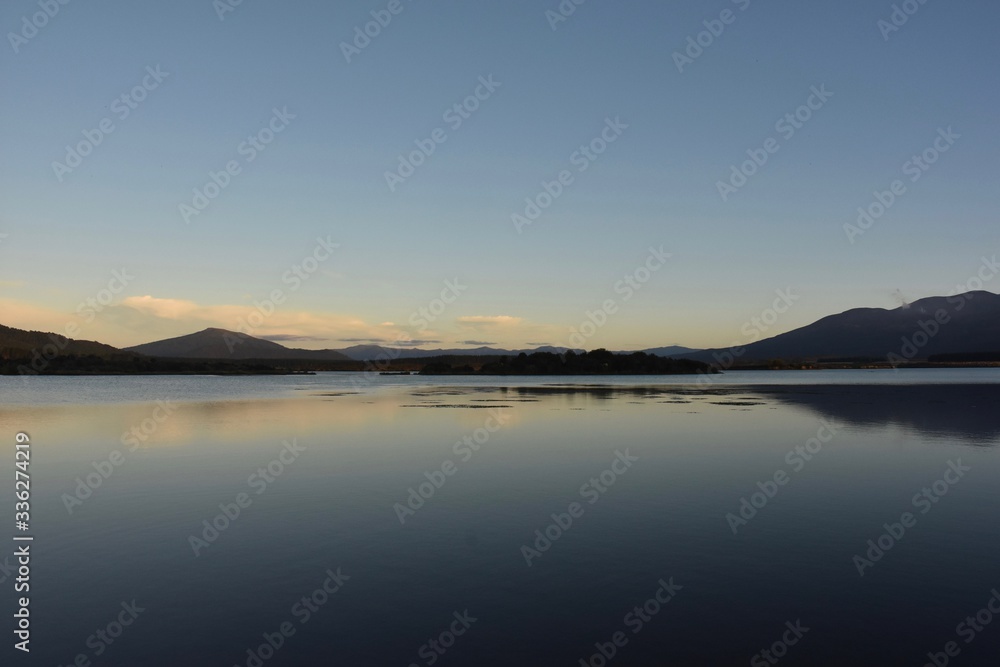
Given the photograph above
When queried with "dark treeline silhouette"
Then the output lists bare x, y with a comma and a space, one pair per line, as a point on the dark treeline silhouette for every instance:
966, 357
124, 364
596, 362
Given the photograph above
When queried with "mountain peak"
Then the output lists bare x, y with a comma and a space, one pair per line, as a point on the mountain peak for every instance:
216, 343
216, 330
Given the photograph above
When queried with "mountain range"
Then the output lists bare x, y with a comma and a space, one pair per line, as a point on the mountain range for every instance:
222, 344
371, 352
962, 324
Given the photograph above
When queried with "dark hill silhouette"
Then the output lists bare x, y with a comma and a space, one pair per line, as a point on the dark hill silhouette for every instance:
668, 351
968, 323
19, 344
44, 353
222, 344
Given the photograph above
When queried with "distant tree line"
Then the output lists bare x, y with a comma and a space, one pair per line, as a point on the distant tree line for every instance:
964, 357
596, 362
90, 364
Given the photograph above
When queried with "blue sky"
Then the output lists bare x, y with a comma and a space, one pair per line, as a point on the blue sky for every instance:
323, 176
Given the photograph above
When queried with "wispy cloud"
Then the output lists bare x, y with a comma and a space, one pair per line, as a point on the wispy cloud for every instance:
277, 338
478, 321
170, 309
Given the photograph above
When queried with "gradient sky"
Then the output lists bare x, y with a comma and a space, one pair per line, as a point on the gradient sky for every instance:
323, 176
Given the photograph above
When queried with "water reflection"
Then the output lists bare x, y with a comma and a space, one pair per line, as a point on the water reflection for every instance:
970, 412
967, 412
699, 450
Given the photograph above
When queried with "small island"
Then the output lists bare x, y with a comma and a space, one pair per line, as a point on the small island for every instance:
596, 362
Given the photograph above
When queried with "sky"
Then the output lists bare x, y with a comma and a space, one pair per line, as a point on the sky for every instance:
627, 124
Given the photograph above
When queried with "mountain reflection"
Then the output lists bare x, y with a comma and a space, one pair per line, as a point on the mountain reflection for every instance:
969, 412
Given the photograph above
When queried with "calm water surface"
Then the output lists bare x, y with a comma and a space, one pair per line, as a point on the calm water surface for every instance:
426, 495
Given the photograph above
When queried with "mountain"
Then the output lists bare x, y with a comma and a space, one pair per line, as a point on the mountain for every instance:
222, 344
21, 344
960, 324
376, 352
43, 353
669, 351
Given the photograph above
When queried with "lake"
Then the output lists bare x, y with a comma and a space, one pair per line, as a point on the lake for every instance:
806, 518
